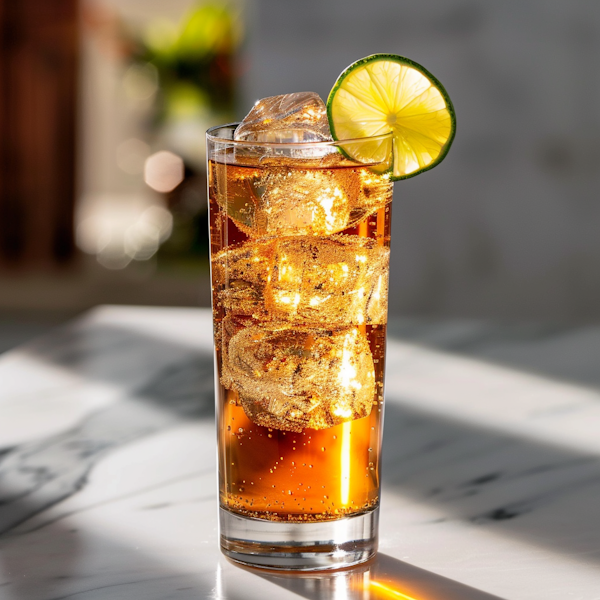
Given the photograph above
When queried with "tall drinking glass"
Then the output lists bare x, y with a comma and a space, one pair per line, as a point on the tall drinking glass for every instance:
300, 237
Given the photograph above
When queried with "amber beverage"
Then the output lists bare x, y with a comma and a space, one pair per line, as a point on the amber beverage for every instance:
300, 237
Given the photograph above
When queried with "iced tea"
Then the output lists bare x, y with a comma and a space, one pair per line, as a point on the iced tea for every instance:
300, 261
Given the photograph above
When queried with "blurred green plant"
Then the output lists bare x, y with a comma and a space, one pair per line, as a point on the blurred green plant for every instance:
188, 69
194, 60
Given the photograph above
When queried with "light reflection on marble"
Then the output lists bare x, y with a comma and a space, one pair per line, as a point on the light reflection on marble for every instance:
382, 578
107, 466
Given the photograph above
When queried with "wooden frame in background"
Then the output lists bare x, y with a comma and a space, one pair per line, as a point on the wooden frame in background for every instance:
38, 98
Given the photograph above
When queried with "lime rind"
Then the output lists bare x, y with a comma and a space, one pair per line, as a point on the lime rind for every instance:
427, 122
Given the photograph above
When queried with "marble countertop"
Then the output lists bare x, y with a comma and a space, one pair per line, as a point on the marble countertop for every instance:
491, 466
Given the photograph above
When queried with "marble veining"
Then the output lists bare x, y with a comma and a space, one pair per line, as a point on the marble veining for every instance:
107, 466
39, 474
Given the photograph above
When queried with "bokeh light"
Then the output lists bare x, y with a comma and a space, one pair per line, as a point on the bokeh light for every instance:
163, 171
117, 230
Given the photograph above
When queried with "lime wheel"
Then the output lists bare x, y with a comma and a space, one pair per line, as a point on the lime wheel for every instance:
390, 94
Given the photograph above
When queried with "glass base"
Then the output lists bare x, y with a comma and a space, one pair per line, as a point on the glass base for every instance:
299, 546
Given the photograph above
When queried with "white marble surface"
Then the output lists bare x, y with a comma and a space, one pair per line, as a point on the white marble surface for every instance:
491, 466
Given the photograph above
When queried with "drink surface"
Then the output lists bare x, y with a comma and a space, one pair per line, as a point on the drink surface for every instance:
300, 254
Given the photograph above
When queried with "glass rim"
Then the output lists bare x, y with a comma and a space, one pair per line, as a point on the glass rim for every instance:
282, 145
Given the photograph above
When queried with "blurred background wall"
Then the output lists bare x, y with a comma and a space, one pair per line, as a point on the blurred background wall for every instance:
104, 106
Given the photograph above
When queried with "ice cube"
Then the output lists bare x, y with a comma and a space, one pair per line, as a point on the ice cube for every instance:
299, 378
225, 330
341, 280
297, 201
299, 197
289, 118
375, 192
232, 187
240, 275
